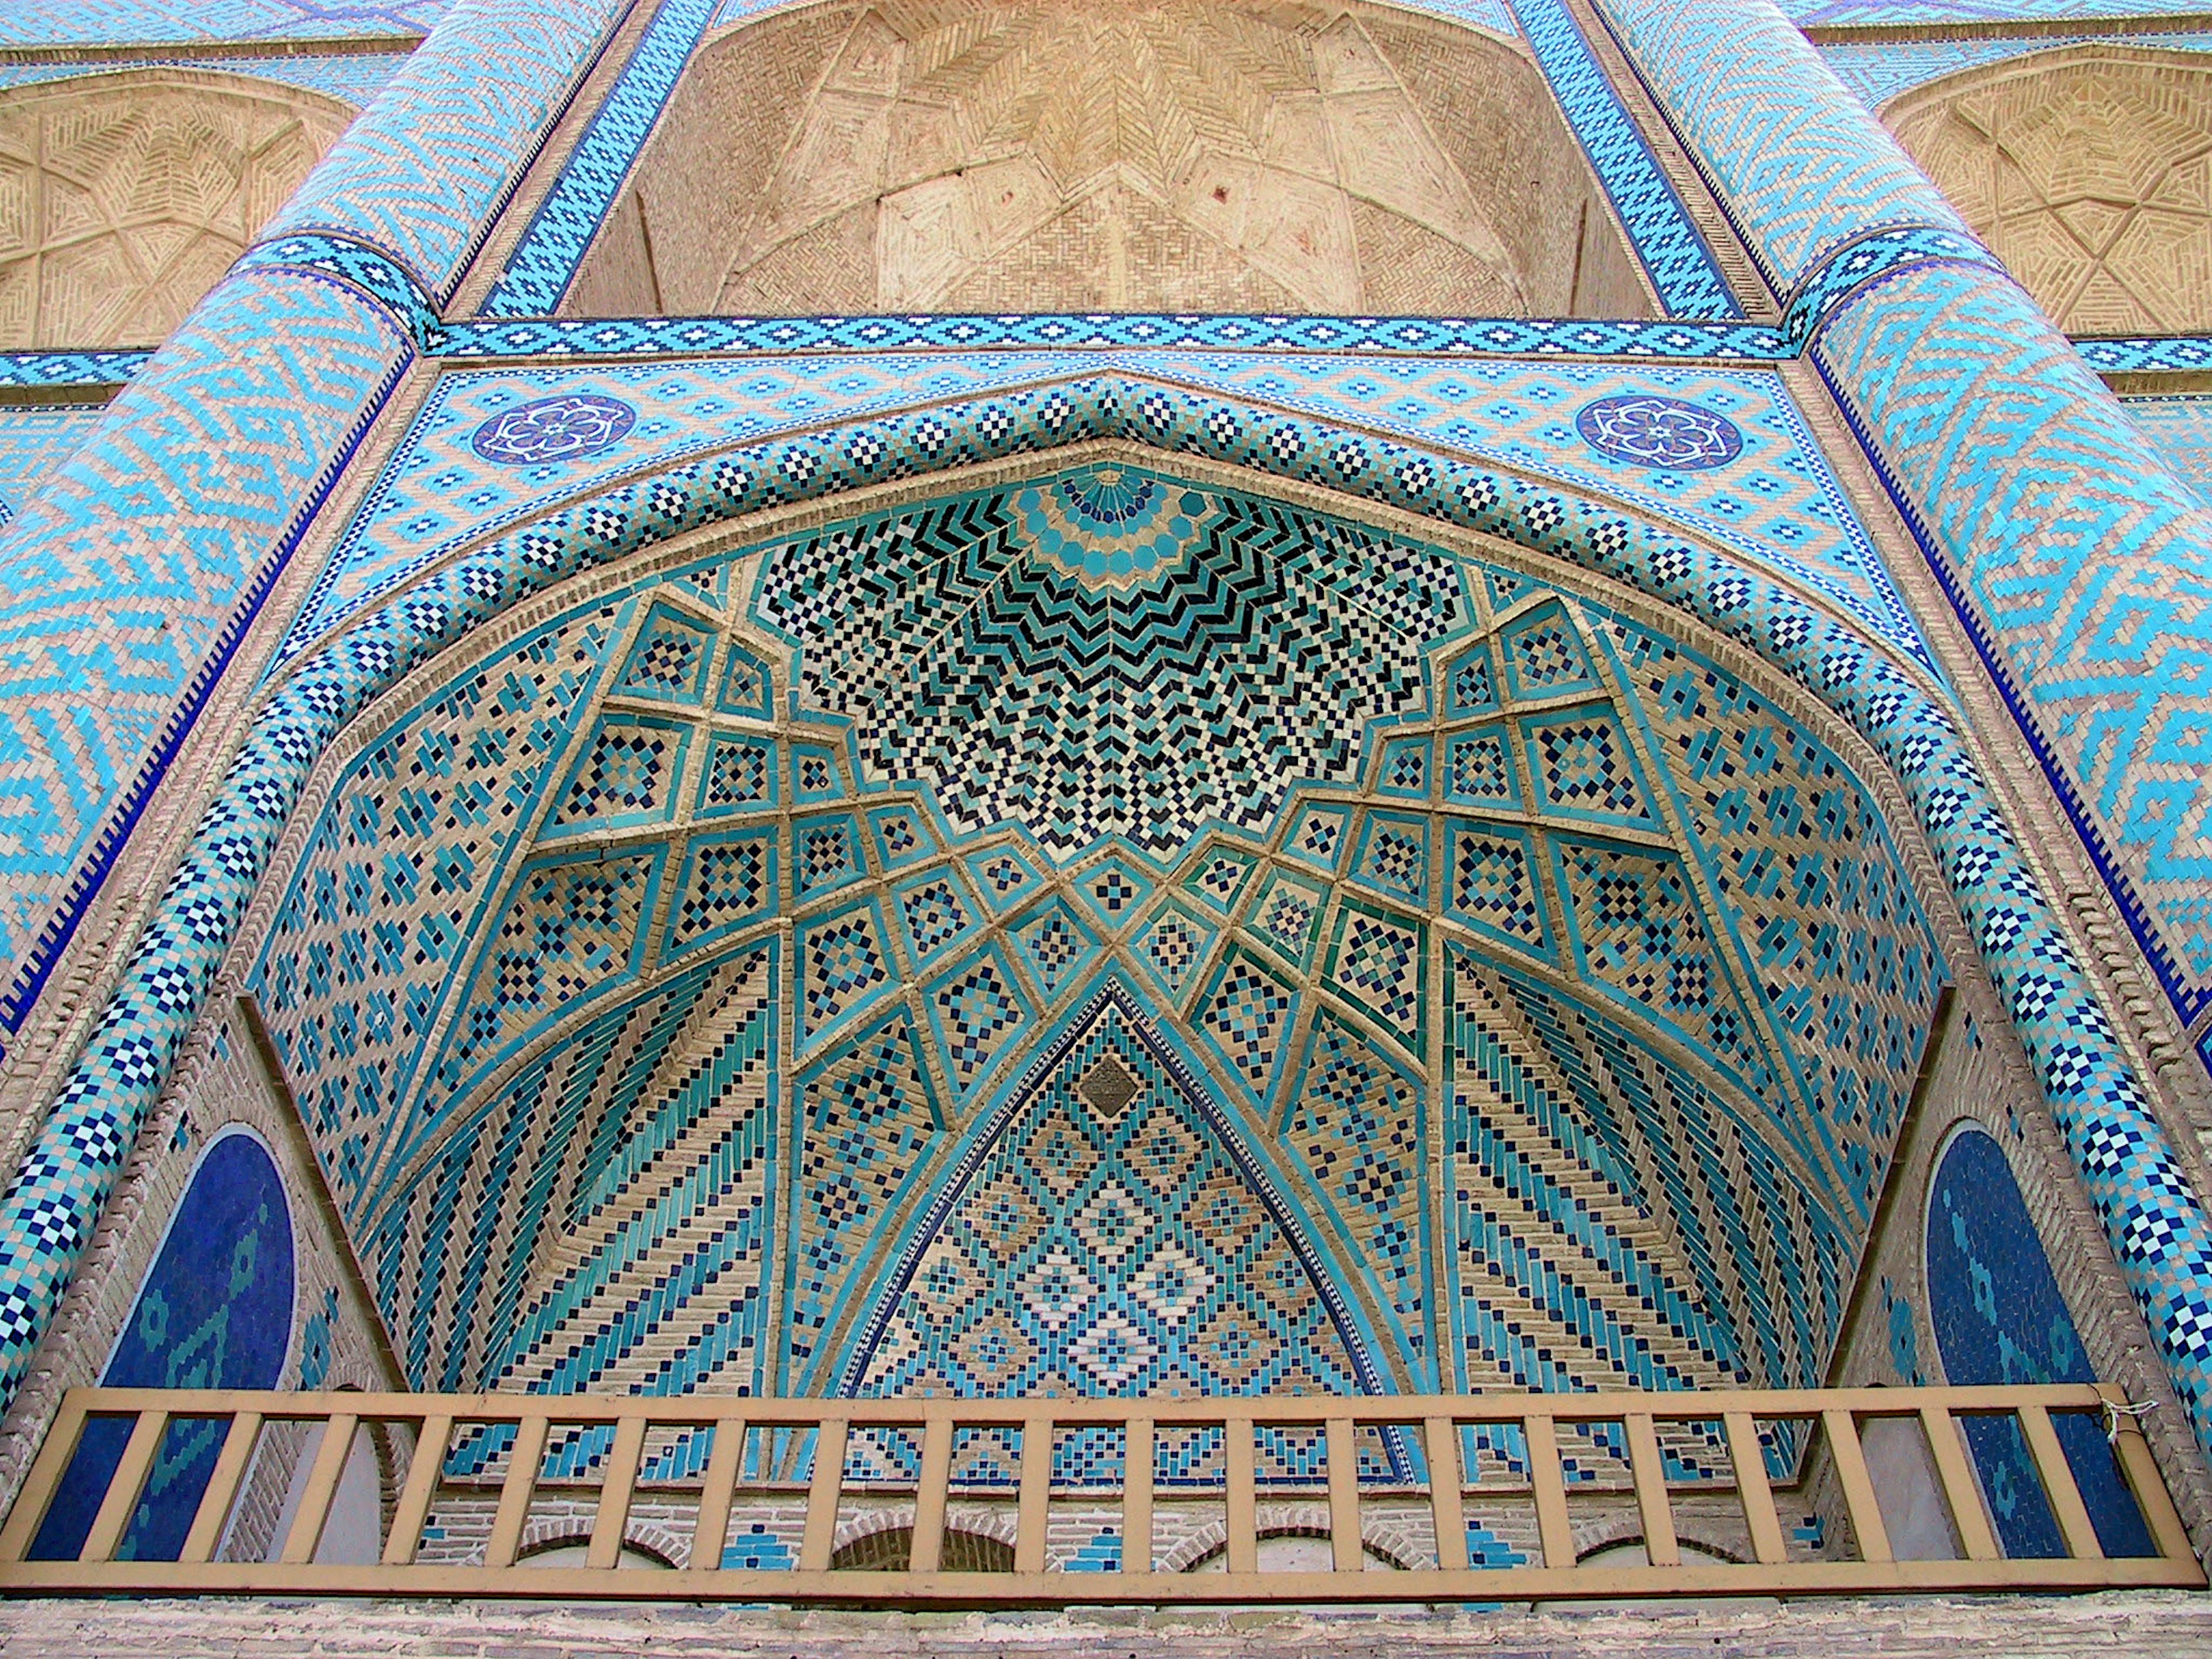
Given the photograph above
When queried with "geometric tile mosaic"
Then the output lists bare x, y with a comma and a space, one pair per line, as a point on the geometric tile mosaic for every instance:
933, 970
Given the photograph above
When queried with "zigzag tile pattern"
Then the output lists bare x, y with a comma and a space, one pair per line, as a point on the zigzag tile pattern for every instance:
105, 22
2092, 620
34, 443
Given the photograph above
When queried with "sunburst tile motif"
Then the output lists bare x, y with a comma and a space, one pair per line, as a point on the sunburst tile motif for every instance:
1021, 685
869, 1117
1004, 877
1479, 768
1218, 876
1394, 858
1112, 1242
1639, 931
740, 773
1286, 915
1355, 1121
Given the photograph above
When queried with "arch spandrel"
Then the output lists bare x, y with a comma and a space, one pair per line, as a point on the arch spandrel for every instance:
1459, 992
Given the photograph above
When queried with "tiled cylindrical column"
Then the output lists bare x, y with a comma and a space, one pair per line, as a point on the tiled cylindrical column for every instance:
135, 570
2080, 565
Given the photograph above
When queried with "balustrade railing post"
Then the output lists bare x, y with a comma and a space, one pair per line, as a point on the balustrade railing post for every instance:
1842, 1428
1647, 1468
716, 1490
929, 1497
208, 1521
2140, 1468
822, 1496
1137, 1495
611, 1519
1962, 1493
1446, 1502
1243, 1518
1753, 1490
36, 1496
1547, 1486
516, 1491
1344, 1538
1034, 1510
2066, 1505
423, 1470
113, 1518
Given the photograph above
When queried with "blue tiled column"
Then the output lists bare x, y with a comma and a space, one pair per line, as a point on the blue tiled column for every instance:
132, 575
2080, 564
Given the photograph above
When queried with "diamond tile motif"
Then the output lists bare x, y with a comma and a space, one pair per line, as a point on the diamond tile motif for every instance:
1493, 885
1382, 966
934, 913
669, 658
1543, 658
627, 775
1173, 947
1584, 770
1394, 858
728, 881
901, 837
1479, 768
740, 773
1288, 915
1116, 890
825, 853
1320, 837
1219, 873
1004, 877
1246, 1014
977, 1014
1057, 946
843, 965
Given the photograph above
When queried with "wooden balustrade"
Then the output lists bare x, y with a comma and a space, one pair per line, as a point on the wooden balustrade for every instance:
504, 1439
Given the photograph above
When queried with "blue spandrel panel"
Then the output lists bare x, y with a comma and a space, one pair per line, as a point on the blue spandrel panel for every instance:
215, 1312
1999, 1318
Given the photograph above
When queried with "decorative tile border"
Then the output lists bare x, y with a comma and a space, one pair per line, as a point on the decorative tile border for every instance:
1667, 243
71, 369
2161, 1233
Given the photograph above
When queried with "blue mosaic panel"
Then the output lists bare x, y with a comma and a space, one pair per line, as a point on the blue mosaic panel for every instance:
215, 1312
1103, 743
2180, 429
106, 22
34, 441
1999, 1318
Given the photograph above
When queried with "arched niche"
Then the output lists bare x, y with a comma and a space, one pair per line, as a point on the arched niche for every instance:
673, 882
215, 1311
2000, 1318
2087, 170
124, 197
1058, 156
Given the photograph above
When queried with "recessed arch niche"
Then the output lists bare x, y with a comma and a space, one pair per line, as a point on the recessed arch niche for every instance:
124, 197
2087, 169
1056, 155
673, 1009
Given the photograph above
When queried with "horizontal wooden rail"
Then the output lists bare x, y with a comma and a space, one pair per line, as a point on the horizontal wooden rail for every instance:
614, 1462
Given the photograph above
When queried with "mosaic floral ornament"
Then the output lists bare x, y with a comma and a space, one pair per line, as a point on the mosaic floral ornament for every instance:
554, 430
1644, 430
